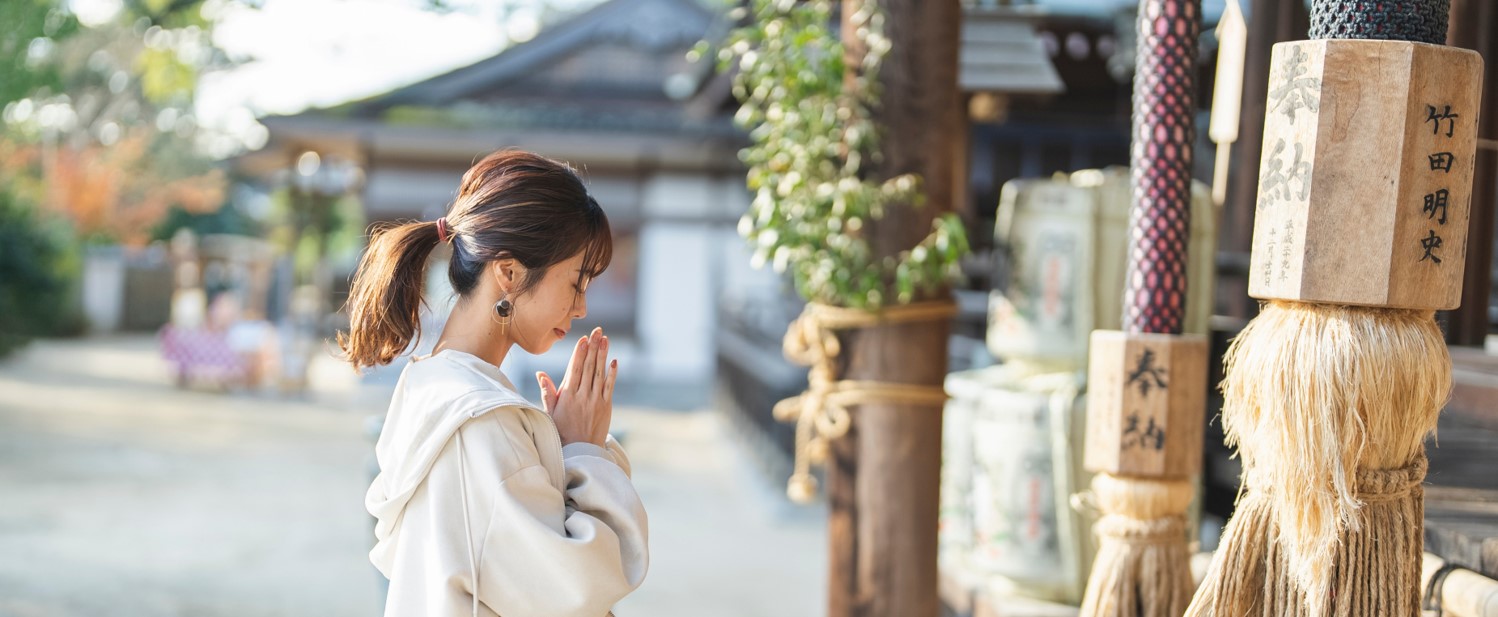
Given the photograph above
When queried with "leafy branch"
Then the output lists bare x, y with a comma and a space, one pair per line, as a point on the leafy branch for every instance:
812, 133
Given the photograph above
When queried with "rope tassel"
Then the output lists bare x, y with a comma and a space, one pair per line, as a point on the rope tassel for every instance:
1142, 567
1366, 581
1329, 407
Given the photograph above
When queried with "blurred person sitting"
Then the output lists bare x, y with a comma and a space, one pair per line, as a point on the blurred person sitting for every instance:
196, 342
216, 345
253, 339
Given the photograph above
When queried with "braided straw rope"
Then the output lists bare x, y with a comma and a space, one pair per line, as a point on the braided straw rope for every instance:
822, 413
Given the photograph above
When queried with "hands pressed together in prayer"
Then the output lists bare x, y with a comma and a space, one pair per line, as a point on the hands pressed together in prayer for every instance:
583, 405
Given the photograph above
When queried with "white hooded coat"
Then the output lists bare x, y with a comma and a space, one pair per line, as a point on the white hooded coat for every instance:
481, 511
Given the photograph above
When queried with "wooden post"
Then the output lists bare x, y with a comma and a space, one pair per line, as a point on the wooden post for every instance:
1474, 25
884, 475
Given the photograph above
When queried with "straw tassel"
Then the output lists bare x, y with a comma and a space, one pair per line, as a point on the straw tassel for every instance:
1329, 407
1142, 567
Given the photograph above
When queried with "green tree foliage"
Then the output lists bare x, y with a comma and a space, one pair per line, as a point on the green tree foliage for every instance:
811, 137
39, 269
98, 121
97, 128
31, 30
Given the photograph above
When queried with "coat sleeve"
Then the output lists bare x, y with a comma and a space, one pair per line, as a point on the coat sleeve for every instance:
564, 554
618, 455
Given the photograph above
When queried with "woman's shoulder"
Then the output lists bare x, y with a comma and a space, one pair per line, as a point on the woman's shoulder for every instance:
497, 422
463, 379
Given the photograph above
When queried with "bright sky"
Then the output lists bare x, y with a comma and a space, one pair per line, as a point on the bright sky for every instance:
316, 53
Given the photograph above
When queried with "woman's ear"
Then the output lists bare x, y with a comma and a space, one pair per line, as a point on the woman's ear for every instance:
507, 273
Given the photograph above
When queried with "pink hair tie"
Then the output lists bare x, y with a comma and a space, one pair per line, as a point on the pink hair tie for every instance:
442, 235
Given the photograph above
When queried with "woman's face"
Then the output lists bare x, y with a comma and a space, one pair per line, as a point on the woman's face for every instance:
544, 315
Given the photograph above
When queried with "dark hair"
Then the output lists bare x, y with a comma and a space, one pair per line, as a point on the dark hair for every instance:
511, 204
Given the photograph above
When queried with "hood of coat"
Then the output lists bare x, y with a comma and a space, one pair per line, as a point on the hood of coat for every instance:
436, 395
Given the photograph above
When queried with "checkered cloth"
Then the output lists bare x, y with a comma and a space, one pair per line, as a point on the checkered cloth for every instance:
201, 354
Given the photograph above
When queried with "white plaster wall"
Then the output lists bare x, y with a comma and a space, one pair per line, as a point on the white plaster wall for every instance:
720, 198
676, 318
680, 196
691, 259
103, 288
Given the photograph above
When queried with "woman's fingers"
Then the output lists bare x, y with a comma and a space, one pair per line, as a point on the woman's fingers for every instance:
548, 391
608, 384
602, 367
586, 382
575, 366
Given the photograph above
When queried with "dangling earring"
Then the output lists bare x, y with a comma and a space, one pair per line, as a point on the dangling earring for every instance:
504, 310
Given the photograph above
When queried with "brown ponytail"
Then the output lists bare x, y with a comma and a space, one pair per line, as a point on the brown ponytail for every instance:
512, 204
384, 303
